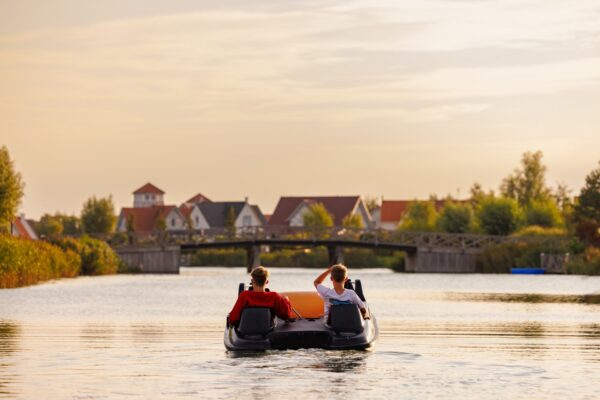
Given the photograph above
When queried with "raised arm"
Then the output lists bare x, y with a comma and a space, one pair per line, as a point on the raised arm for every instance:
322, 277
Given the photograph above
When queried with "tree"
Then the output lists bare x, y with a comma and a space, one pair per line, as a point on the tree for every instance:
455, 218
318, 219
50, 226
230, 222
71, 224
420, 216
11, 189
98, 215
587, 209
544, 213
352, 221
371, 203
499, 216
528, 183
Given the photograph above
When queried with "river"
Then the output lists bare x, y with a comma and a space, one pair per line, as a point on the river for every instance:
161, 337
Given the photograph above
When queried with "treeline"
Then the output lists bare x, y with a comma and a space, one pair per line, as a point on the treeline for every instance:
26, 262
301, 258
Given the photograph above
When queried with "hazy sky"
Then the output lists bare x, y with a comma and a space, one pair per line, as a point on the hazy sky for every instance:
268, 98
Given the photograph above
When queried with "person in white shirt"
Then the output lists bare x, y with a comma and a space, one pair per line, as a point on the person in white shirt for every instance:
337, 294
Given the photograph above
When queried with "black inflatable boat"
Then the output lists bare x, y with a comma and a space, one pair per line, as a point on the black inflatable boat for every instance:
346, 328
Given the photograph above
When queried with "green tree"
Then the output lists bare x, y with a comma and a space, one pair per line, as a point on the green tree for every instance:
71, 224
230, 222
98, 215
527, 183
371, 203
544, 213
499, 216
352, 221
420, 216
50, 226
11, 190
317, 217
587, 209
455, 218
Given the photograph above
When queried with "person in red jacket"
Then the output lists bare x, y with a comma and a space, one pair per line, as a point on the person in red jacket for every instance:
258, 297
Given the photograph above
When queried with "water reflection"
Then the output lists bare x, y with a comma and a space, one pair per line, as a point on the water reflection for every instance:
9, 336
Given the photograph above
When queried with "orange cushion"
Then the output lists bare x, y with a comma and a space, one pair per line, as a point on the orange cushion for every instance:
308, 304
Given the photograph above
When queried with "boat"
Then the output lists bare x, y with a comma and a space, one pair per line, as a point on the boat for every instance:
259, 330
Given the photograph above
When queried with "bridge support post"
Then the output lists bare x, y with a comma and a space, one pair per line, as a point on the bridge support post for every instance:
252, 258
336, 255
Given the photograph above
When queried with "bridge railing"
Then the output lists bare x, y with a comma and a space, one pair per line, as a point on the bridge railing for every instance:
281, 232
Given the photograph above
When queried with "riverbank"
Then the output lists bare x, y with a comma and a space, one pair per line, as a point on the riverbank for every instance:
26, 262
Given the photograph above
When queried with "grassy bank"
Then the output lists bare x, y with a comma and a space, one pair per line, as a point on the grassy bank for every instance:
300, 258
27, 262
525, 252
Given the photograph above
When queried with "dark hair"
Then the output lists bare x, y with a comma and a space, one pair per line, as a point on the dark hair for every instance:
260, 275
339, 273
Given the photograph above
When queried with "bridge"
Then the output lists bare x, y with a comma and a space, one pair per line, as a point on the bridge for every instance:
425, 251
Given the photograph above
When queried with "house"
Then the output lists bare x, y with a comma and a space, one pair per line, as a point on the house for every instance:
21, 227
146, 220
206, 215
148, 196
290, 210
199, 198
149, 213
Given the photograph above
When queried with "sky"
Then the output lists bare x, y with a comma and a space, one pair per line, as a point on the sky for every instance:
259, 99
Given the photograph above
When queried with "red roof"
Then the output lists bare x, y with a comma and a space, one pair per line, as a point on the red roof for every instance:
149, 188
394, 210
338, 206
145, 219
185, 210
199, 198
20, 229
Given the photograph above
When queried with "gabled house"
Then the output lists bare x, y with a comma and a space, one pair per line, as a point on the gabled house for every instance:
199, 198
20, 227
290, 210
207, 215
148, 196
146, 220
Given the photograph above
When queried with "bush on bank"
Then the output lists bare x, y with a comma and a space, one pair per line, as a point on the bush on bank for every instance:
526, 253
26, 262
97, 258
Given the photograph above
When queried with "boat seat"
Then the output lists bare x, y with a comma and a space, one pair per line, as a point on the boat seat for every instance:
345, 318
255, 321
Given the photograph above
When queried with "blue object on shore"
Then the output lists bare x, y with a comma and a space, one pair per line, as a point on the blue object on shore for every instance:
527, 271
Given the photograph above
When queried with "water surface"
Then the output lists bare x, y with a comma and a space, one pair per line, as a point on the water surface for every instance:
160, 336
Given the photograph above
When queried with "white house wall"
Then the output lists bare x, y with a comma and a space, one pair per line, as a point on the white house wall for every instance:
175, 221
297, 219
198, 220
248, 213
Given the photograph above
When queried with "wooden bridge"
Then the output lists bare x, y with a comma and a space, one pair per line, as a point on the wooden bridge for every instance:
426, 251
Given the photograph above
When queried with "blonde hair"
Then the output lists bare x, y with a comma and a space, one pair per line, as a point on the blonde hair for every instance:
260, 275
339, 273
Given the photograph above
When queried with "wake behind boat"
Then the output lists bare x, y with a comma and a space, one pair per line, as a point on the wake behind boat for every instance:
258, 329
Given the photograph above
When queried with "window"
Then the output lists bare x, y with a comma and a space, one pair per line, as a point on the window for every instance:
197, 220
146, 196
153, 197
247, 220
172, 221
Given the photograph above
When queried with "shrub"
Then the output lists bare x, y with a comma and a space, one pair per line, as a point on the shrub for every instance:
587, 263
219, 257
26, 262
420, 217
499, 216
544, 213
455, 218
97, 257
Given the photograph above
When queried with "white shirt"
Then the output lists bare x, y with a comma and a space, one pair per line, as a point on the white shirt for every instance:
327, 294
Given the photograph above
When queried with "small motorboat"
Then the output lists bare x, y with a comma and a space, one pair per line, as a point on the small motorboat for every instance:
258, 329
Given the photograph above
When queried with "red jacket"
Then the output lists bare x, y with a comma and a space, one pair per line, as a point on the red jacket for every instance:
249, 298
